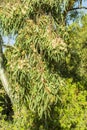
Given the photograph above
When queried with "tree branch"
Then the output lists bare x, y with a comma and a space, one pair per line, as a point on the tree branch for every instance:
77, 8
8, 46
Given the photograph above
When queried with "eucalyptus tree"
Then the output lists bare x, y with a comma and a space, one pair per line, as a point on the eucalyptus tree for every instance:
43, 59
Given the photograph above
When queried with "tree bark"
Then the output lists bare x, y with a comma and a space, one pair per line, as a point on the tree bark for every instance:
3, 77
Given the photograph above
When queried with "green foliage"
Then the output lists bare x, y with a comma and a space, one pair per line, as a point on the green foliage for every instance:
78, 48
30, 62
73, 111
14, 13
46, 67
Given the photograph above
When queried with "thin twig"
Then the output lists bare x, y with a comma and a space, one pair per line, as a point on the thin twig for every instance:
8, 46
77, 8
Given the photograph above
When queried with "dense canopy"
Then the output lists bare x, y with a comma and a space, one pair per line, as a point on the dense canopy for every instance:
44, 74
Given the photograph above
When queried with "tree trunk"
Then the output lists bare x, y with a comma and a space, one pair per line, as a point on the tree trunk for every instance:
3, 77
